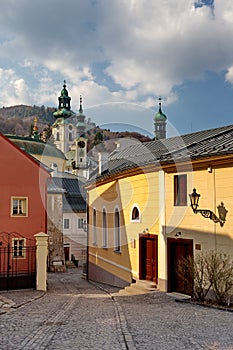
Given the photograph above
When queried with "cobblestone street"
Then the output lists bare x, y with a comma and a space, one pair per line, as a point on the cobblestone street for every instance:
75, 314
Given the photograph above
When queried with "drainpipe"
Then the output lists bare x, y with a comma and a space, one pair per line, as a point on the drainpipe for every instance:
87, 250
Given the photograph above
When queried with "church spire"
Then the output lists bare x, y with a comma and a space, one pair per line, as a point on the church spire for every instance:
160, 122
81, 108
64, 99
35, 134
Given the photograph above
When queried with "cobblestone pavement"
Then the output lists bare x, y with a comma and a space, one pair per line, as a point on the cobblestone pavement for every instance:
75, 314
157, 321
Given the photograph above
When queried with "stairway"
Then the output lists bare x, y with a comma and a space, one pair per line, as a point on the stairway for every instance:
139, 287
70, 264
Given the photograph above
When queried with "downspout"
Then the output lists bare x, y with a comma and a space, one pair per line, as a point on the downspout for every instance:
87, 250
215, 225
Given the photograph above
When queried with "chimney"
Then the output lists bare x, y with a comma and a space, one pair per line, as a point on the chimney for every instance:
102, 160
54, 168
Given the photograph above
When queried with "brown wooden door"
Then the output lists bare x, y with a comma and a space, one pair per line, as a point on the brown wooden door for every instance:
67, 253
148, 252
178, 249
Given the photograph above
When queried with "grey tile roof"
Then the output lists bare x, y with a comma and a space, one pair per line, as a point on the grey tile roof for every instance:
75, 204
201, 144
72, 188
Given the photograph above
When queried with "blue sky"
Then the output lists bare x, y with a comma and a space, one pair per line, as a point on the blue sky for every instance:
121, 55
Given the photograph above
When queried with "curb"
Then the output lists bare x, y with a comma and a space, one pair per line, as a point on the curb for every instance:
216, 307
12, 305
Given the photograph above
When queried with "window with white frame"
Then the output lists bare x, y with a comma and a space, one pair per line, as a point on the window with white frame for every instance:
104, 240
66, 224
19, 206
135, 214
117, 238
80, 223
180, 190
18, 247
94, 228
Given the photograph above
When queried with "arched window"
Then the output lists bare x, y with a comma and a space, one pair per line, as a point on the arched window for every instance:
117, 238
58, 137
94, 228
70, 136
104, 240
135, 216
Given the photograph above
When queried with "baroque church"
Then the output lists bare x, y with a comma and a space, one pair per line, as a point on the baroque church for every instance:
69, 135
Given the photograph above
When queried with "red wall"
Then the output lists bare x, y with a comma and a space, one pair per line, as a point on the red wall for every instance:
22, 176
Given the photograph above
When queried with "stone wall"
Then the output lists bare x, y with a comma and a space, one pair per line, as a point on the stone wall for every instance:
56, 259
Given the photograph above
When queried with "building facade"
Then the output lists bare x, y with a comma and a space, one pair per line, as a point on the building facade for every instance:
140, 219
23, 183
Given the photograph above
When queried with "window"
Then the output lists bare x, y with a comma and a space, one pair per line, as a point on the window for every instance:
80, 223
19, 206
117, 238
66, 223
180, 190
104, 229
135, 216
94, 228
18, 247
70, 136
58, 137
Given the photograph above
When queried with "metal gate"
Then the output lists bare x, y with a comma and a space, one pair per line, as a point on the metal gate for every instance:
17, 261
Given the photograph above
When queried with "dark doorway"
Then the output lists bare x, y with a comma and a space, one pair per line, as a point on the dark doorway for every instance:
176, 250
67, 253
148, 258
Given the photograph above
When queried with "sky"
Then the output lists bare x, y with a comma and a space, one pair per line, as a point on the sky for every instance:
121, 55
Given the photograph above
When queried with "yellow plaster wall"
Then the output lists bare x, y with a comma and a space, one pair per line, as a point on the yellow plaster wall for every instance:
214, 187
141, 190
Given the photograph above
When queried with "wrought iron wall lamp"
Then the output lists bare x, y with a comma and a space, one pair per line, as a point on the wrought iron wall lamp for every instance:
222, 212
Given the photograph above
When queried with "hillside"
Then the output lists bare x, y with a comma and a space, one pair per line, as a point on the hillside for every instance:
19, 119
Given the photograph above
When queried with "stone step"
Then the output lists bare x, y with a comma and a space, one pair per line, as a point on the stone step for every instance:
70, 264
139, 287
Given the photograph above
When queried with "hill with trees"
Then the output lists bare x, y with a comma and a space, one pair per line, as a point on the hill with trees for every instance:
18, 120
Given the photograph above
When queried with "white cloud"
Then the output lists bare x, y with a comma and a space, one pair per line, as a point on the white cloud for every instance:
13, 88
144, 48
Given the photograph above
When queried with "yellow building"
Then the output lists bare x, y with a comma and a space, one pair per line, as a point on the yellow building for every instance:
140, 219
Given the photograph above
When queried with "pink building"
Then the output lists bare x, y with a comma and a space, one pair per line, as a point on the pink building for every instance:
23, 184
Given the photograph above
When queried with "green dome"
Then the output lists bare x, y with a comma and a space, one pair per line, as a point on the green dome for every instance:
160, 116
64, 92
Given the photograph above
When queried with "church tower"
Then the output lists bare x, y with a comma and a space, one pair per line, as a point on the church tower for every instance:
160, 123
81, 143
63, 131
77, 159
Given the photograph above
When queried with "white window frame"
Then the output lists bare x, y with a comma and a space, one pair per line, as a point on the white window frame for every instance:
94, 227
80, 223
117, 231
66, 221
105, 229
21, 206
139, 213
18, 245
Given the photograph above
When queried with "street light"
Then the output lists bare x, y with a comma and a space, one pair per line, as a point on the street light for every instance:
206, 213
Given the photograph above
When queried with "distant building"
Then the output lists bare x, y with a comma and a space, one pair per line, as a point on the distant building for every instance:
69, 132
68, 190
